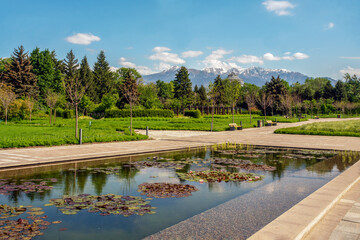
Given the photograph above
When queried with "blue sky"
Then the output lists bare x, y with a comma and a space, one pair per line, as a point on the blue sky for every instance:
317, 38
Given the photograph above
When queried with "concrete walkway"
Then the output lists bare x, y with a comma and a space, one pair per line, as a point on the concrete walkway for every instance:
310, 219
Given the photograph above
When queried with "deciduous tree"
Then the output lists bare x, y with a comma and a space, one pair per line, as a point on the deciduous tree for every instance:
7, 97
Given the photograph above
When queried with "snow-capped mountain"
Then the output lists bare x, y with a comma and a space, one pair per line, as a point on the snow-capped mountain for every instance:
255, 75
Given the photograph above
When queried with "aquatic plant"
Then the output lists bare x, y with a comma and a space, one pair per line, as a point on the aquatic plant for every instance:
243, 164
166, 190
218, 176
104, 204
27, 185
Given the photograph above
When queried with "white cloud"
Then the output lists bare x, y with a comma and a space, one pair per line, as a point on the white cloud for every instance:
191, 54
281, 8
214, 60
162, 66
330, 25
353, 58
161, 49
270, 57
162, 54
351, 71
287, 53
245, 59
300, 55
83, 38
143, 70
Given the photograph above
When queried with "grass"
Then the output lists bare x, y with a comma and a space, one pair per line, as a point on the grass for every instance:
340, 128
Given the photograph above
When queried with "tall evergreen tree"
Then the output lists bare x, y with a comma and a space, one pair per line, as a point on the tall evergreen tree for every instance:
183, 87
276, 88
71, 65
44, 67
202, 95
220, 87
340, 91
19, 75
87, 78
103, 77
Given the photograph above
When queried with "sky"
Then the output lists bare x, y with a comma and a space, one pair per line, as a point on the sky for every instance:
317, 38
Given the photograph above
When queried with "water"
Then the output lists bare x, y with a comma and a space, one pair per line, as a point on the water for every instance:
304, 170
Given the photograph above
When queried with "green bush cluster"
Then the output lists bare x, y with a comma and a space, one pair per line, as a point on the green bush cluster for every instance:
124, 113
67, 113
192, 113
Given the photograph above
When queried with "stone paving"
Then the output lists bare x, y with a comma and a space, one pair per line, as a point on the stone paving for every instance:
173, 140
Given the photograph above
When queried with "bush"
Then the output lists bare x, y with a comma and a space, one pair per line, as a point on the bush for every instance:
68, 113
192, 113
123, 113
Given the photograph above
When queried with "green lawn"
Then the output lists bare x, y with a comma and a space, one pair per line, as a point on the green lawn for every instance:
342, 128
38, 132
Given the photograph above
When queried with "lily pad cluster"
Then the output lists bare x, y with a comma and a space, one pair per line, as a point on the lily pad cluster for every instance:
7, 211
166, 190
243, 164
145, 164
104, 204
218, 176
27, 186
24, 228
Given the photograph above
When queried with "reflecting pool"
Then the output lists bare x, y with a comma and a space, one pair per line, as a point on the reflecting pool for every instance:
102, 198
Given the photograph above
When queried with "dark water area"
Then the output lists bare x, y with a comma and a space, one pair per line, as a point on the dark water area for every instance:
122, 176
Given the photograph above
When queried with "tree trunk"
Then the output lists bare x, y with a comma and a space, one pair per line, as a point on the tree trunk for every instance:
54, 115
130, 119
6, 110
250, 114
212, 118
265, 113
30, 115
233, 114
76, 121
50, 115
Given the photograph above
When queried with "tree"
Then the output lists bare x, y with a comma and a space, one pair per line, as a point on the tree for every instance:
286, 102
149, 96
183, 87
340, 91
48, 77
232, 93
165, 90
219, 84
3, 63
51, 100
19, 74
88, 79
202, 96
29, 103
250, 99
213, 97
277, 88
103, 77
73, 85
7, 97
130, 91
264, 102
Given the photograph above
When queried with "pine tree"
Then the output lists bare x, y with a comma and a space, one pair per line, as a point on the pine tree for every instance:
70, 65
183, 87
19, 75
276, 88
103, 77
202, 95
88, 79
219, 85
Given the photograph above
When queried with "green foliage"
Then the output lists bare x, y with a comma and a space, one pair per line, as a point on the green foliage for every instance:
104, 79
108, 101
277, 88
192, 113
149, 96
183, 87
342, 128
124, 113
87, 79
165, 90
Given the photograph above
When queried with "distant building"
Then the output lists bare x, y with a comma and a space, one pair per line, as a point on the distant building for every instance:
233, 76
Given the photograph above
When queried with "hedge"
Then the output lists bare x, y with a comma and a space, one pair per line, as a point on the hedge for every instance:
123, 113
324, 133
192, 113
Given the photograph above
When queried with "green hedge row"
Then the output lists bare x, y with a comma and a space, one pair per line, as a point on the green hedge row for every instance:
123, 113
192, 113
324, 133
67, 113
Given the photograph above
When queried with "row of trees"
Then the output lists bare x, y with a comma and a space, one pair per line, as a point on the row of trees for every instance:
41, 81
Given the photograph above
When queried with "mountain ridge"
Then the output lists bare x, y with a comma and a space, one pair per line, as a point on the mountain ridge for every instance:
255, 75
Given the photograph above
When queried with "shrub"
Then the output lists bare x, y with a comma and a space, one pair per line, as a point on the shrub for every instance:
68, 113
193, 113
123, 113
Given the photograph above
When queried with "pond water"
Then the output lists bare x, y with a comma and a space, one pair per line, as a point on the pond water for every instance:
84, 217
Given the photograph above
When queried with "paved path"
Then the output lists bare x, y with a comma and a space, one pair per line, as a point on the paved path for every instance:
172, 140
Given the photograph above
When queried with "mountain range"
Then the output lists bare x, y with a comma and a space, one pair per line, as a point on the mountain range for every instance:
255, 75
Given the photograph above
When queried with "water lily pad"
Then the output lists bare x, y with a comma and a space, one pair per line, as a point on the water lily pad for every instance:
166, 190
218, 176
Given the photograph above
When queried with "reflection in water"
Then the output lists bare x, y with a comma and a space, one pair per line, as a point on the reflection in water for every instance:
117, 176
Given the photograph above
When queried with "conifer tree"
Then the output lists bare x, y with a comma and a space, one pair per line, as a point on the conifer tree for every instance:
87, 79
183, 87
19, 75
219, 84
71, 65
202, 95
103, 77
